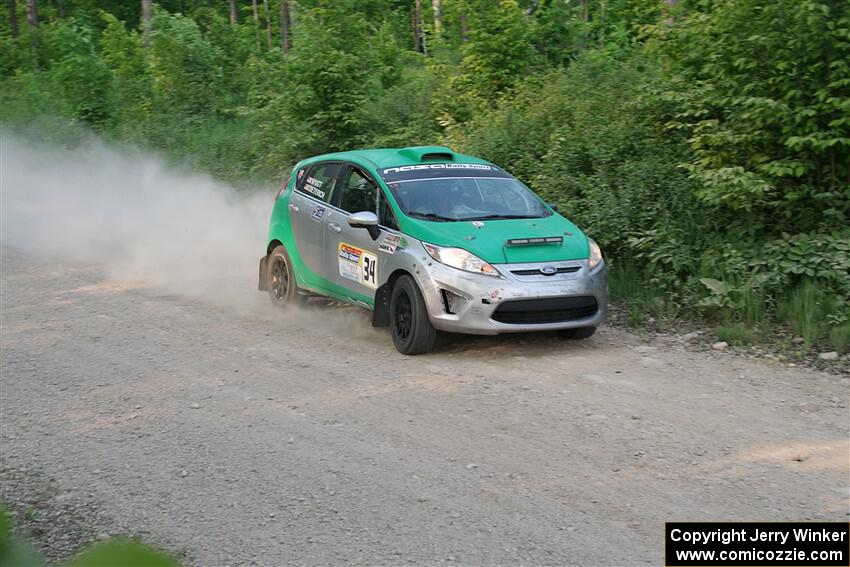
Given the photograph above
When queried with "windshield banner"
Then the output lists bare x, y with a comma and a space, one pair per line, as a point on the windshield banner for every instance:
441, 170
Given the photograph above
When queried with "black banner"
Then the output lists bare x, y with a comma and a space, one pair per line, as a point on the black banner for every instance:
757, 544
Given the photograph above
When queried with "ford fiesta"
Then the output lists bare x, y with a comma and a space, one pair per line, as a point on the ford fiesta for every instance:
431, 240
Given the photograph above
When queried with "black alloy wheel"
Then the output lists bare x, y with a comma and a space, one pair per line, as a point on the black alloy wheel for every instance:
409, 323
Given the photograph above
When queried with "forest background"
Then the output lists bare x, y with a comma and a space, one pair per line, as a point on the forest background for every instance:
705, 144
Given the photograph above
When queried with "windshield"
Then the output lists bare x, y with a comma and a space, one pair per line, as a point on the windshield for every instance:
467, 198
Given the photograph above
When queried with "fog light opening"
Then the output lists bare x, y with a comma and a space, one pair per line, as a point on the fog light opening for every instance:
452, 302
447, 302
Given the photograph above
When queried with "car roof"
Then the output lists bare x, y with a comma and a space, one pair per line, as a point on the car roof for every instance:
381, 158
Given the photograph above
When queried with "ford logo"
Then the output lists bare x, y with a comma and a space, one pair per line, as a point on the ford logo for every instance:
548, 270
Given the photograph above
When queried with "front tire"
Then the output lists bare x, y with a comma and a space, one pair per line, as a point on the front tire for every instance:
280, 279
409, 324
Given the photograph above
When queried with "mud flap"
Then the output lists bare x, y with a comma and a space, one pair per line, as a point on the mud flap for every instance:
381, 313
262, 284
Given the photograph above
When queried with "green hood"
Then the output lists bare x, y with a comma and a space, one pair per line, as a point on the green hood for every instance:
488, 241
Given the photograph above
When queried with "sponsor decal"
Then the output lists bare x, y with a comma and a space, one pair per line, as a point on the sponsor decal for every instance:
317, 214
390, 243
358, 265
438, 166
477, 223
314, 187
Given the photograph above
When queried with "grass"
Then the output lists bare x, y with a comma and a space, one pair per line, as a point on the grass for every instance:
735, 334
809, 310
642, 297
801, 310
839, 338
754, 308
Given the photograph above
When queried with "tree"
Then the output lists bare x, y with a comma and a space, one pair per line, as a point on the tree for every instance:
284, 26
13, 17
267, 13
147, 10
438, 18
328, 78
498, 50
233, 19
256, 21
464, 28
32, 13
418, 32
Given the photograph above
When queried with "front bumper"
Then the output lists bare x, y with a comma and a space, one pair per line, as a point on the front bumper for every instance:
522, 300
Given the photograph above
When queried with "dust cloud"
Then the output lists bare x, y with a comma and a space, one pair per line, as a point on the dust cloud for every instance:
149, 224
140, 218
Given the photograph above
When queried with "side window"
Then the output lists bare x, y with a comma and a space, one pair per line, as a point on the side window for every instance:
318, 180
359, 193
386, 217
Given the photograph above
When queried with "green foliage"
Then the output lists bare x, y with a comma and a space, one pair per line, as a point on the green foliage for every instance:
16, 552
578, 138
630, 286
326, 80
184, 65
822, 258
403, 115
13, 551
812, 313
705, 144
498, 50
762, 90
127, 553
122, 53
734, 334
839, 338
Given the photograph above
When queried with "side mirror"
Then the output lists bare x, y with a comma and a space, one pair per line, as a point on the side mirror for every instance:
367, 220
553, 206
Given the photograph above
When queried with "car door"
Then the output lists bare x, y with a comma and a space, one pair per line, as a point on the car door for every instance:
308, 207
351, 253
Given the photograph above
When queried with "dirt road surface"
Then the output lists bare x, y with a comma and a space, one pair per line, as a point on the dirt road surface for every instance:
237, 435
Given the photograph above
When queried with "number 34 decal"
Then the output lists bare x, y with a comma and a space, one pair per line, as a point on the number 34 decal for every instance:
358, 265
370, 270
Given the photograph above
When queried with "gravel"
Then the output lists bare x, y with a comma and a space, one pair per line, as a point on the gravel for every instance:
236, 435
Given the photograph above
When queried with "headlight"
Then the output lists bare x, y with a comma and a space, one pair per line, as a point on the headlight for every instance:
595, 255
460, 259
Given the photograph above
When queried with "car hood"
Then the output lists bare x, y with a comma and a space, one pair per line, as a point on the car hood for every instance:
488, 239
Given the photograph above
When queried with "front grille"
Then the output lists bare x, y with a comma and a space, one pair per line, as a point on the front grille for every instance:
547, 310
537, 272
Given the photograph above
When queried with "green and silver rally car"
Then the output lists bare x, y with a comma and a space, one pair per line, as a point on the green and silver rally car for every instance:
429, 240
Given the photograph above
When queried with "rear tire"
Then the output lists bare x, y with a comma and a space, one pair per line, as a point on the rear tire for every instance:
409, 324
280, 279
579, 333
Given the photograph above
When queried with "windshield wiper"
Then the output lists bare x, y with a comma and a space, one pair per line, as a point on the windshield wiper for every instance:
496, 217
429, 216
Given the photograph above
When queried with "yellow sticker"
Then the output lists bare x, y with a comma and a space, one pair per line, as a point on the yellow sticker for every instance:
358, 265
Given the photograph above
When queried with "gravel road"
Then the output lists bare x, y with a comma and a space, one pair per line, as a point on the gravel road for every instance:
236, 435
